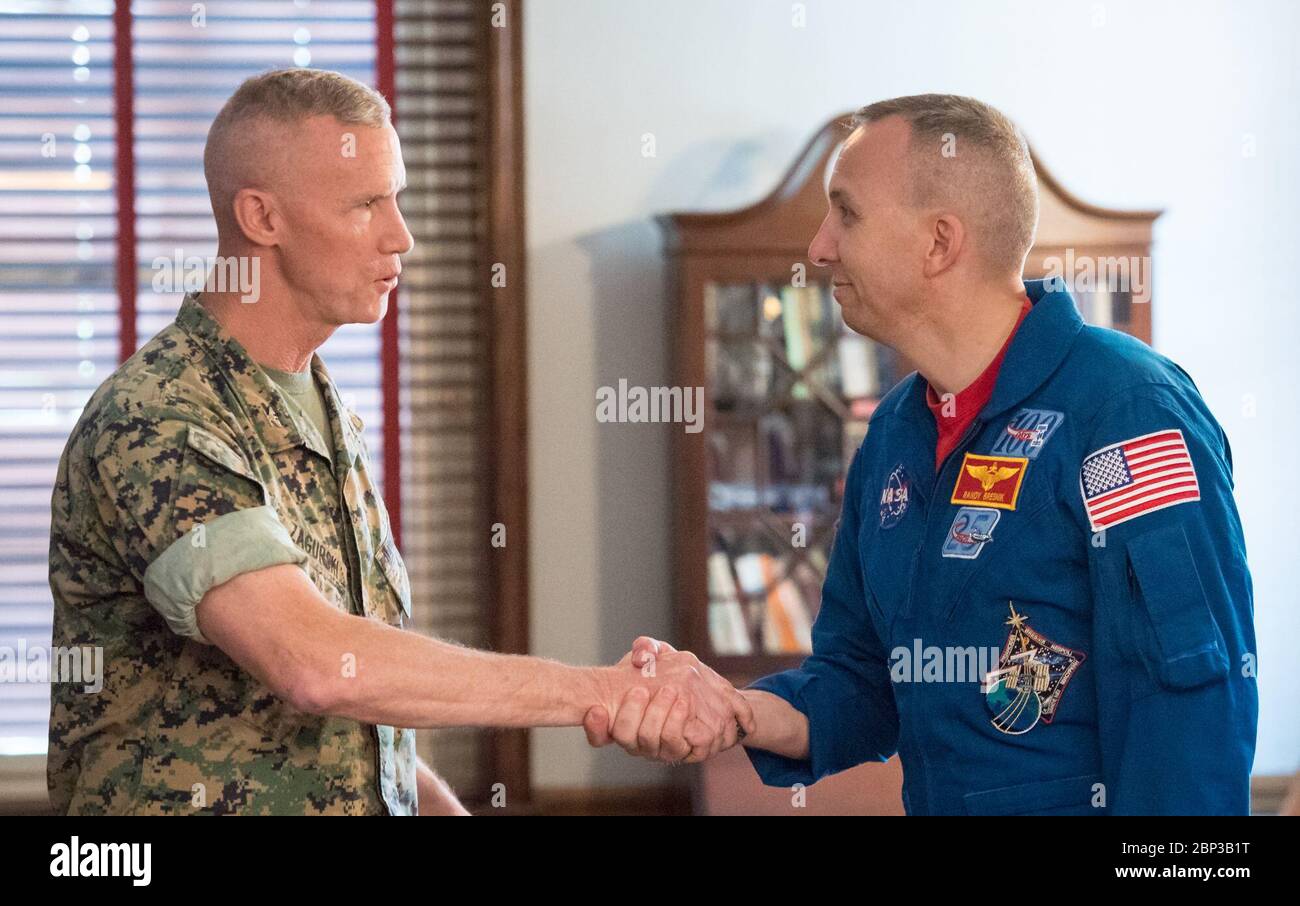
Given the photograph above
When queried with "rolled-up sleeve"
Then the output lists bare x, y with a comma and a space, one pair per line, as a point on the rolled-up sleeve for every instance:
188, 509
243, 541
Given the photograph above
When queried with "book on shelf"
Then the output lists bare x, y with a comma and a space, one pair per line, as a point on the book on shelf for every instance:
727, 631
801, 316
786, 623
810, 581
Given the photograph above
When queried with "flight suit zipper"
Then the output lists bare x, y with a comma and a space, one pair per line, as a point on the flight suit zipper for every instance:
932, 504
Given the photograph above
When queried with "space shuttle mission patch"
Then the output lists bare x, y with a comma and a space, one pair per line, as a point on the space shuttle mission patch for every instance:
971, 529
1027, 432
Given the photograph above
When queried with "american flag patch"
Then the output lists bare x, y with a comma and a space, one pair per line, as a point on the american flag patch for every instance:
1138, 476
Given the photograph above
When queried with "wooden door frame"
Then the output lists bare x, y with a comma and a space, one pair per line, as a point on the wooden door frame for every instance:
506, 491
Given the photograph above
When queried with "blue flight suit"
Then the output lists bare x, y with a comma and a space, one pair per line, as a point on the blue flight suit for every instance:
1112, 587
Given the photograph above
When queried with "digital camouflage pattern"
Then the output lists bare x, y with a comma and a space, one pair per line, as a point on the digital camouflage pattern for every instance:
185, 431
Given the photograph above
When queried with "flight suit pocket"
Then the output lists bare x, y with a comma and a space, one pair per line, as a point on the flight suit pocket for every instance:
1066, 796
1182, 645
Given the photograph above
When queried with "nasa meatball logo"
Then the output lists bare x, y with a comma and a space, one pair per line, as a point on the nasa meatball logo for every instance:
893, 499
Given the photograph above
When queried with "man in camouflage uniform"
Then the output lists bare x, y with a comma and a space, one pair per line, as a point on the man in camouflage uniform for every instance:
216, 531
188, 467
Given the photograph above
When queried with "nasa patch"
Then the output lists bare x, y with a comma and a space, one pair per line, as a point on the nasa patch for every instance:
1028, 432
894, 497
971, 529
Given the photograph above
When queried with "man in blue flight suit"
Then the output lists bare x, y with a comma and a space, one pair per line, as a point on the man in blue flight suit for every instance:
1038, 592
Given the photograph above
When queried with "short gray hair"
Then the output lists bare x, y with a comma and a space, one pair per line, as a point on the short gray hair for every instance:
996, 184
282, 96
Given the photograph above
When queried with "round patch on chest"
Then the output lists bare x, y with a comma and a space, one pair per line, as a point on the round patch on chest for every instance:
894, 497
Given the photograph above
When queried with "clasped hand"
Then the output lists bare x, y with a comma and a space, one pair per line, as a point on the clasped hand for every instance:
663, 704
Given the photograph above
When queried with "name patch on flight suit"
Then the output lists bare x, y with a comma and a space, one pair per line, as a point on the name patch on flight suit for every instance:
990, 481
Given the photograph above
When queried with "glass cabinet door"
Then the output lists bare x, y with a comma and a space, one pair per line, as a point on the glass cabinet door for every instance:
790, 391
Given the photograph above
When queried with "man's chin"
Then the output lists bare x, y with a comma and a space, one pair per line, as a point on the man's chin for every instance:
371, 309
861, 323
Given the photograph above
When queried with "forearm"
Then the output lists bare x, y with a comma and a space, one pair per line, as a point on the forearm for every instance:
436, 798
408, 680
275, 624
780, 727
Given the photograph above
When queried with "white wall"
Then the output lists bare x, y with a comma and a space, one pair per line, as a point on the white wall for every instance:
1132, 105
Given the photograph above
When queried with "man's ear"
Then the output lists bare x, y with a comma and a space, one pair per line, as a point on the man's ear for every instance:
257, 216
946, 241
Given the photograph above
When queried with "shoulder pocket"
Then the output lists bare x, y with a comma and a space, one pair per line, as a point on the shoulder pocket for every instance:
394, 570
218, 451
1184, 648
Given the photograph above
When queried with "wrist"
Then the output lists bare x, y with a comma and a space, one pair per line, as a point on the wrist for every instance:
601, 686
778, 726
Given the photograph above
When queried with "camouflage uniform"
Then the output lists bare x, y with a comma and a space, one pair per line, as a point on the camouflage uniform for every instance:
186, 468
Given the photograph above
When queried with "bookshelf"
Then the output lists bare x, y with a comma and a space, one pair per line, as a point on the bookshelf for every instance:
789, 390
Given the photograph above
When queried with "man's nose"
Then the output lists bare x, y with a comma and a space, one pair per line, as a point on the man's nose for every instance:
821, 251
397, 238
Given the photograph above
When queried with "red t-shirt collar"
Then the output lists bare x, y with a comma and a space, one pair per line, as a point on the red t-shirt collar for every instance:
967, 403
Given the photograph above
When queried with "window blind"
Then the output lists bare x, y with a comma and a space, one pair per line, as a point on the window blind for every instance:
440, 85
58, 305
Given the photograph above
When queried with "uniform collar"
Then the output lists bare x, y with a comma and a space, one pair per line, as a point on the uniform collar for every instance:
275, 422
1038, 348
346, 427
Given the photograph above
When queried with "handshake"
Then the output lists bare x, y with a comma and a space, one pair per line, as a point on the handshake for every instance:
663, 704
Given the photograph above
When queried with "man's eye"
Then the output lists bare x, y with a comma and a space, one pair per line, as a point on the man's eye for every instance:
845, 213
